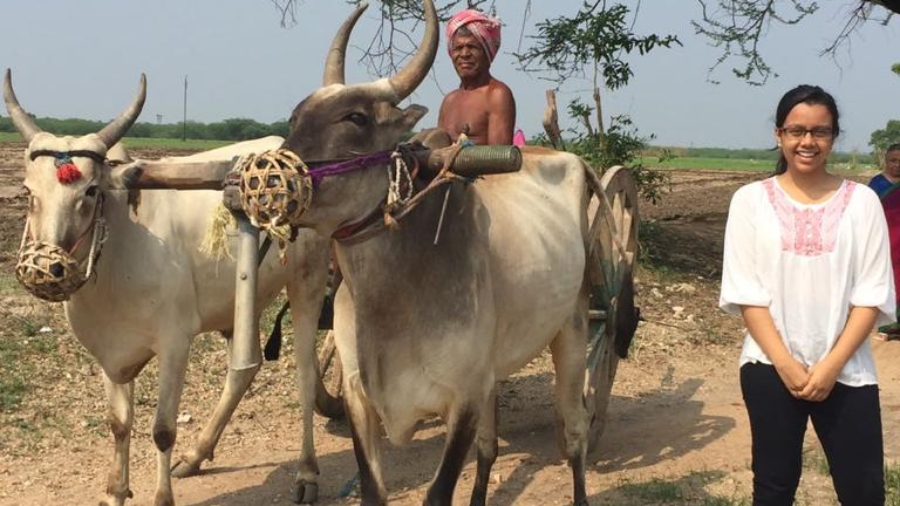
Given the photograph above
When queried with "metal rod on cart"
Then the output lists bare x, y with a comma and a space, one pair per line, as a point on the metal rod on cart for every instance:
246, 353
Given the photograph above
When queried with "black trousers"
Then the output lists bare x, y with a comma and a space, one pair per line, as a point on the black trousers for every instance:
848, 424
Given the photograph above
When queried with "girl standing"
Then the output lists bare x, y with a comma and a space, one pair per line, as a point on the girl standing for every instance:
807, 265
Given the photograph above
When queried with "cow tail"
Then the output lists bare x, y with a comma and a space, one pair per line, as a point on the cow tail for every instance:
273, 344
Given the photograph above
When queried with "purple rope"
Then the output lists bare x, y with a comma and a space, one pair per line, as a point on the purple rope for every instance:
360, 163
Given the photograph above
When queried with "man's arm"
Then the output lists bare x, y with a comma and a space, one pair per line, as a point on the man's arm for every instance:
501, 115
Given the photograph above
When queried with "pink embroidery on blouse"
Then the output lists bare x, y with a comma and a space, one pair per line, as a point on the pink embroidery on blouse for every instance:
808, 231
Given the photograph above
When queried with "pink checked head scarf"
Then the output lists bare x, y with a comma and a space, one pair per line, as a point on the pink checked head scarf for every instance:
486, 29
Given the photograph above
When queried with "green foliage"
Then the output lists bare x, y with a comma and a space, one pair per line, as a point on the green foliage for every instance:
815, 461
598, 34
892, 484
881, 139
12, 386
233, 129
621, 144
655, 491
12, 391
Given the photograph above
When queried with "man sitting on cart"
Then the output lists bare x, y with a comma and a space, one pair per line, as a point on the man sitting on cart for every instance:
482, 108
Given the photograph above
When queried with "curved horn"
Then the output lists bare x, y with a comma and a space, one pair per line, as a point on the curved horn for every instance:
23, 122
116, 129
405, 81
334, 64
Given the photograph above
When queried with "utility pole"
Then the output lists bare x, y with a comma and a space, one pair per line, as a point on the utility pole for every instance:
184, 121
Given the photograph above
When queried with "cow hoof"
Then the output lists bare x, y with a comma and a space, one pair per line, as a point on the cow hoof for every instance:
113, 500
184, 469
304, 492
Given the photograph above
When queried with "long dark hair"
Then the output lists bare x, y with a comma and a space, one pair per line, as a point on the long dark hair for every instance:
804, 94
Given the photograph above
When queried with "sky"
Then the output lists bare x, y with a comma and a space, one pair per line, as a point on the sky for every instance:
83, 59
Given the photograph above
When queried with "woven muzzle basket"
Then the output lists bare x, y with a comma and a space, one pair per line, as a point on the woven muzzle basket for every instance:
275, 188
48, 271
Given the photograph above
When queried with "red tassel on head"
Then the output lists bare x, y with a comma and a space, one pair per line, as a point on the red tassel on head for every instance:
68, 173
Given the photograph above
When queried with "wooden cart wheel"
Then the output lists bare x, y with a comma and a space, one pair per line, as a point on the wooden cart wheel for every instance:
612, 254
328, 389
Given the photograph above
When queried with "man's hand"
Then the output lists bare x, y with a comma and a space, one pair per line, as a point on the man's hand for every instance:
822, 377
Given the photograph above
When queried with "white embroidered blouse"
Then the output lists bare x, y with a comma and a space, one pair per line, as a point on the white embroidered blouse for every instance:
808, 263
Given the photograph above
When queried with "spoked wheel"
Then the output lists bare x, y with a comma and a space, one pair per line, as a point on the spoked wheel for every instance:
328, 390
612, 253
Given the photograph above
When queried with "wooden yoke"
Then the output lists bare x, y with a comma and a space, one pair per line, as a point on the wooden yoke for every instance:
472, 161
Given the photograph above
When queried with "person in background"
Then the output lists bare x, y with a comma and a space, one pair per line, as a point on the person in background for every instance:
886, 185
482, 108
807, 265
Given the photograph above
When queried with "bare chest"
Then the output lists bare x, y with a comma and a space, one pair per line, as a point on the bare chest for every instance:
468, 113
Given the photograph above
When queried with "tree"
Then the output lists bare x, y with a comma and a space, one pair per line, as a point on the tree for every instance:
883, 138
890, 134
736, 27
592, 43
598, 37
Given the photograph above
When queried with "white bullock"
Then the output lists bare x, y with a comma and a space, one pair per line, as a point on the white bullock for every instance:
153, 289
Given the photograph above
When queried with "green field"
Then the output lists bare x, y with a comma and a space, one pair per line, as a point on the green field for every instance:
740, 164
704, 163
146, 142
143, 142
684, 159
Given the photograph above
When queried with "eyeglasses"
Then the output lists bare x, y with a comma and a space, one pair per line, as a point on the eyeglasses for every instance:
799, 132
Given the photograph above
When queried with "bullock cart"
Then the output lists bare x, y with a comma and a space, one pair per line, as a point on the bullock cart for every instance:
533, 255
612, 251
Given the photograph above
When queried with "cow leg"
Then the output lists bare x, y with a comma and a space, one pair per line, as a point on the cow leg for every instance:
569, 361
121, 420
305, 307
366, 432
486, 442
173, 359
236, 385
460, 434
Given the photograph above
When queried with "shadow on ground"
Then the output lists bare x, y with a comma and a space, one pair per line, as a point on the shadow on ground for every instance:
528, 447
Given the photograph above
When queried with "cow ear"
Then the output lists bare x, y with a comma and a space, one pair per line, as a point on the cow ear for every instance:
412, 115
122, 176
